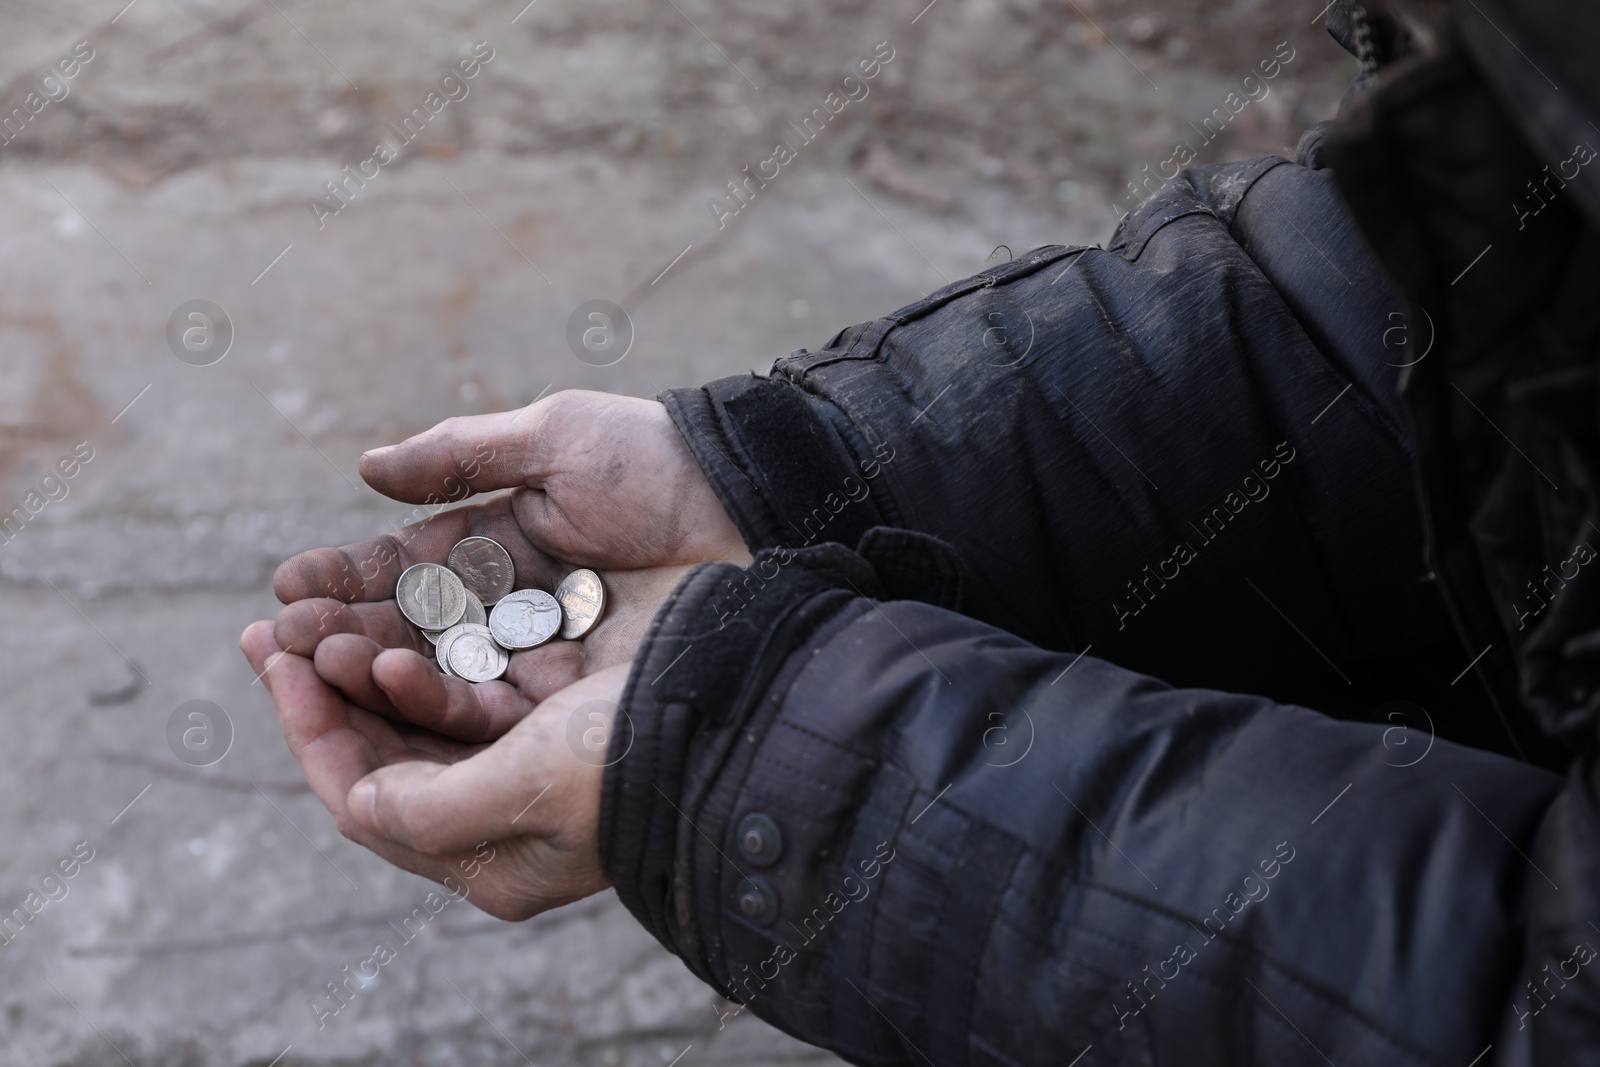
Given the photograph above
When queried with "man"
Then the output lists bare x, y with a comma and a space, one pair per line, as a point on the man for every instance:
940, 759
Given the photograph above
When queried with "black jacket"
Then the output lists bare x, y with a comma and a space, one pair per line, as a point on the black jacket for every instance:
1149, 717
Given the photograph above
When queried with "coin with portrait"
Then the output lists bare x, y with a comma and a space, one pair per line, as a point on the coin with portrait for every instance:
476, 656
484, 567
525, 619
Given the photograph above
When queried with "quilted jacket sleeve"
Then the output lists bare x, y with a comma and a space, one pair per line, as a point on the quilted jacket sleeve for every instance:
1045, 830
1119, 445
912, 838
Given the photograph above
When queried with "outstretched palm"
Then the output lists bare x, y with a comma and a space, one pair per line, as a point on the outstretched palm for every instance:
423, 768
596, 481
517, 819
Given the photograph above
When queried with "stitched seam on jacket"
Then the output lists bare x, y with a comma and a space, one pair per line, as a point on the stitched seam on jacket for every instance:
797, 634
996, 907
1301, 982
1143, 238
800, 728
1392, 429
799, 772
1198, 978
858, 444
871, 933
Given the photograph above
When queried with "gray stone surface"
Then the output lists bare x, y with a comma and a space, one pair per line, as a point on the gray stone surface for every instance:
578, 168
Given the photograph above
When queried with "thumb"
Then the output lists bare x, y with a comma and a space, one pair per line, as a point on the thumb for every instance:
439, 809
461, 456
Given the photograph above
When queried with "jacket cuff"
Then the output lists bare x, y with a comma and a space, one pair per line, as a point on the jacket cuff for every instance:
694, 699
780, 468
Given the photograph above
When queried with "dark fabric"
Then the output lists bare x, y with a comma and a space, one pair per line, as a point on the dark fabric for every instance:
1540, 57
1471, 172
764, 447
1218, 384
1185, 489
1503, 410
1166, 875
726, 639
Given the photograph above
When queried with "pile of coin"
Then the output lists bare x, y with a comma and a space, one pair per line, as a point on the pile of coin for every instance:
476, 617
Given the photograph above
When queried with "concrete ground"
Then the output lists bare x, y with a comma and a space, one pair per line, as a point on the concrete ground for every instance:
178, 167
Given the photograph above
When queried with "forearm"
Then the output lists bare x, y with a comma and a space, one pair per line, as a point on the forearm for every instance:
992, 853
1116, 444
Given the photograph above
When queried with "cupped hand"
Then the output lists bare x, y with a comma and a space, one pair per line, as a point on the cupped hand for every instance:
431, 771
380, 662
597, 481
514, 824
601, 481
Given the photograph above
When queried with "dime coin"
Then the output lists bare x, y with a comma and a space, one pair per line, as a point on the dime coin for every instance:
446, 639
475, 656
525, 619
431, 596
582, 599
484, 568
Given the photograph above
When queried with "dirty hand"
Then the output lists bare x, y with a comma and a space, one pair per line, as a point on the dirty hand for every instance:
513, 825
598, 481
601, 481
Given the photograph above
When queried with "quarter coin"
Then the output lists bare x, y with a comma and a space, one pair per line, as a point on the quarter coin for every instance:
431, 597
475, 656
525, 619
484, 567
582, 599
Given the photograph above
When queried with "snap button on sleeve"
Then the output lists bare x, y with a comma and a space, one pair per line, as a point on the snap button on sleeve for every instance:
760, 840
757, 901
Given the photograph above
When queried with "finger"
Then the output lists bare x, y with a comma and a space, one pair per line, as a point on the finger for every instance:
511, 878
467, 454
316, 723
259, 649
368, 570
303, 625
435, 810
540, 673
344, 660
449, 706
527, 783
334, 751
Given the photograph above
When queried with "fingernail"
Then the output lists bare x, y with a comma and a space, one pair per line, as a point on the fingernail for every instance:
374, 453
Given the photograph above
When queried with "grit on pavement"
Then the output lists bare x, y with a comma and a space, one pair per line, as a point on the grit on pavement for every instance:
182, 160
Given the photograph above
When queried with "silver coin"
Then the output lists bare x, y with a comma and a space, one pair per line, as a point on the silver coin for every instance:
476, 656
484, 567
446, 639
582, 598
431, 596
475, 613
525, 619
